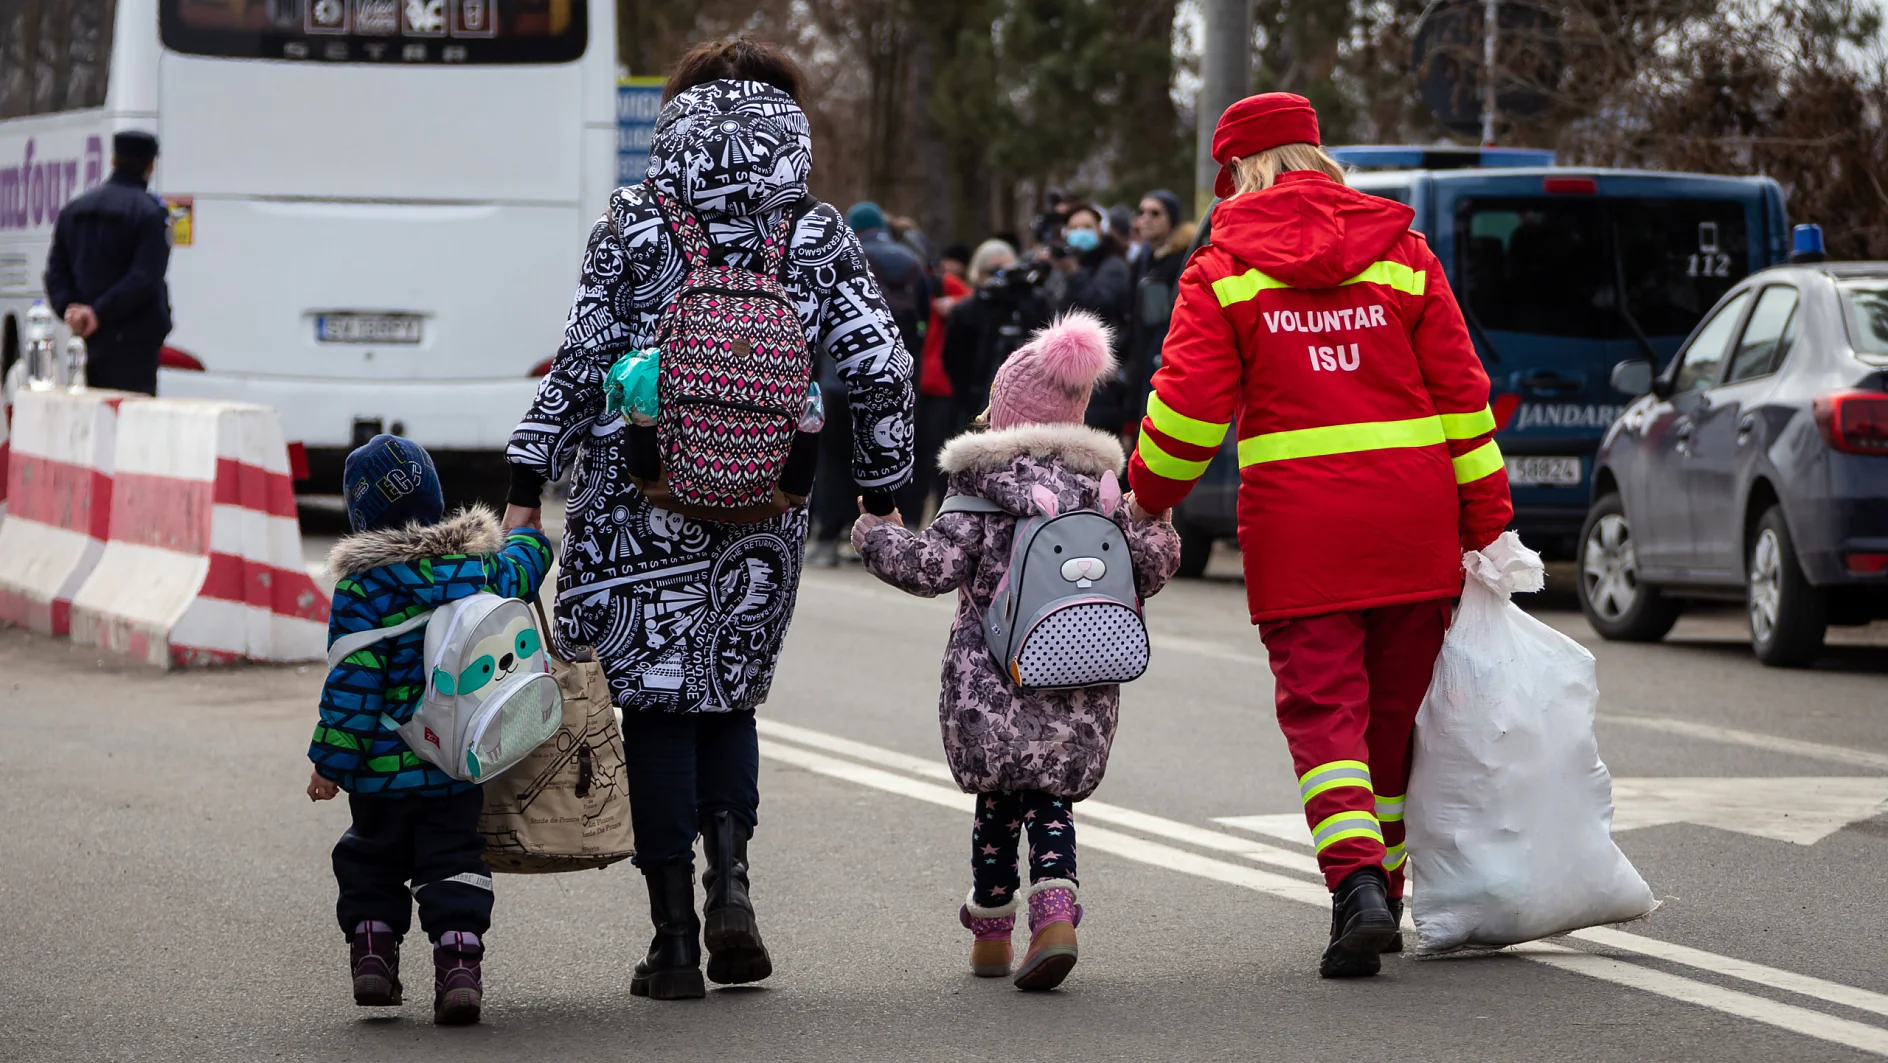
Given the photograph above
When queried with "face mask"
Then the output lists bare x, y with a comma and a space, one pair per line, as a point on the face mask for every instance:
1083, 240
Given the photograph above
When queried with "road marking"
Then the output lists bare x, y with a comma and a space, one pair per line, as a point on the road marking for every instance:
1859, 758
1732, 1002
1801, 811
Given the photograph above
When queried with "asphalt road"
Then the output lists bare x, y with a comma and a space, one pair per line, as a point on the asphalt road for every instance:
166, 892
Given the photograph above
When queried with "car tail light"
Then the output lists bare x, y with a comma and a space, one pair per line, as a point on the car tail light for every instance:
297, 461
542, 368
1570, 186
1854, 422
173, 358
1867, 564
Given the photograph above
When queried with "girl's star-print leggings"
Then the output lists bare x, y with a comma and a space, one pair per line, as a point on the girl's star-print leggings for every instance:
1001, 819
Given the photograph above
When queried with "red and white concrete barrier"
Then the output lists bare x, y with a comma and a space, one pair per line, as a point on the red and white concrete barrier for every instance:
59, 469
204, 560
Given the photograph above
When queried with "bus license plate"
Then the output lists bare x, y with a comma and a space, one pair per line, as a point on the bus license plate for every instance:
367, 328
1544, 472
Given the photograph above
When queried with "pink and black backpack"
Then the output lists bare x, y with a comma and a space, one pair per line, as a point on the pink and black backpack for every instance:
734, 375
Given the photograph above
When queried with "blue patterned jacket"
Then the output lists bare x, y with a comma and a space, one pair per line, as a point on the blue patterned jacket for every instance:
384, 578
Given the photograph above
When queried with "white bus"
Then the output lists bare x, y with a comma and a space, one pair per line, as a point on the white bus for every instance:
378, 206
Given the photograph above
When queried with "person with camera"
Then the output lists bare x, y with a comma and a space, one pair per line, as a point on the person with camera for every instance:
985, 328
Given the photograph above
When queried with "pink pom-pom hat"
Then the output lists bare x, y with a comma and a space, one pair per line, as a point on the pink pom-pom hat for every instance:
1048, 380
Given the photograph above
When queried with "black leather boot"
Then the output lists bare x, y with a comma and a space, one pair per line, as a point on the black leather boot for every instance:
1396, 913
735, 952
1361, 925
672, 969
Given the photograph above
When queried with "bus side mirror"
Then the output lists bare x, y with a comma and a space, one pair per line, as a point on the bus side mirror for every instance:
1633, 377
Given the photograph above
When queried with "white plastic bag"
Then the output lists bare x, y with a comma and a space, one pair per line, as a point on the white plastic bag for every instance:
1510, 810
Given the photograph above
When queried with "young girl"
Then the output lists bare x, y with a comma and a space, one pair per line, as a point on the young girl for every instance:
1027, 755
1325, 325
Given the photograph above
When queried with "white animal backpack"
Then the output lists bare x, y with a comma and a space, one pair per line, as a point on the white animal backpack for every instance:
490, 697
1067, 613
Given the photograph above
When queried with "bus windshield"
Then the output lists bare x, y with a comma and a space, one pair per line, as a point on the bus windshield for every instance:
379, 31
1553, 266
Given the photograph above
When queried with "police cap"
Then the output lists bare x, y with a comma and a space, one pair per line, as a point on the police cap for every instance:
134, 146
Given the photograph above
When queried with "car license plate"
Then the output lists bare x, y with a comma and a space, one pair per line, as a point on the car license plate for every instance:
367, 328
1544, 472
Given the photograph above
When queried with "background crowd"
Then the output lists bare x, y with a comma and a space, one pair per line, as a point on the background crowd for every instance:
961, 311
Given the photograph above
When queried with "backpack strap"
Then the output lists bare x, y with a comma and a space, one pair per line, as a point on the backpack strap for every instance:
355, 641
968, 504
686, 226
779, 243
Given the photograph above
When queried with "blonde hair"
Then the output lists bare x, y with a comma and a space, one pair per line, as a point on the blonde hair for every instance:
1255, 173
980, 259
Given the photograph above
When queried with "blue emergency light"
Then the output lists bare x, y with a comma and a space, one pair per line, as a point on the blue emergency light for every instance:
1806, 243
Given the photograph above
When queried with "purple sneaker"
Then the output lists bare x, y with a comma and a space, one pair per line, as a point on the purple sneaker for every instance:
374, 957
457, 983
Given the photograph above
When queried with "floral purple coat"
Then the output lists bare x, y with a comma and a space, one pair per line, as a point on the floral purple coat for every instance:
996, 735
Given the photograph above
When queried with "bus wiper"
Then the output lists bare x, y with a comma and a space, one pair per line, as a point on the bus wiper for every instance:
1475, 327
1619, 303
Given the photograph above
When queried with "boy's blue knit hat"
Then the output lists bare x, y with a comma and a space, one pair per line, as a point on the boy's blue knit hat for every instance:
390, 482
863, 216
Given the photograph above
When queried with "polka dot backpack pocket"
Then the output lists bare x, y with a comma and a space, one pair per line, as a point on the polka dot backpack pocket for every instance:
1067, 613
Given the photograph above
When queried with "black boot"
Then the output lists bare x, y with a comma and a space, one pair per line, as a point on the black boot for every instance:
1360, 925
672, 969
735, 952
1396, 913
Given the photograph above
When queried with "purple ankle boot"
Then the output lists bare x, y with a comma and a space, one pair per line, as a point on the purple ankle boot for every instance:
374, 957
990, 953
1053, 917
457, 982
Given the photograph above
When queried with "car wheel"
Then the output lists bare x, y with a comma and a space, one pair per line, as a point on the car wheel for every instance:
1616, 603
1788, 616
1196, 549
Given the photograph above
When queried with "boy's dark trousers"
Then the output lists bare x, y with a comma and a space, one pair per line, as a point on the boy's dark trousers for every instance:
432, 842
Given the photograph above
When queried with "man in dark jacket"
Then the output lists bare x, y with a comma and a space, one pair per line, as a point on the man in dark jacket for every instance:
105, 272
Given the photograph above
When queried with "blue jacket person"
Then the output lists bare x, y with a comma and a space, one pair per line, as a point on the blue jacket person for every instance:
105, 272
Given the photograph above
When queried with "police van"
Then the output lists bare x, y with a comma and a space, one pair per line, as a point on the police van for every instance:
1561, 274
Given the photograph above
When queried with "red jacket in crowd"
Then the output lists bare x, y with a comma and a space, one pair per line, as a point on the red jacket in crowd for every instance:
1366, 455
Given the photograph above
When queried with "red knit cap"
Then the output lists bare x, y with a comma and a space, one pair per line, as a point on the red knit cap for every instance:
1260, 123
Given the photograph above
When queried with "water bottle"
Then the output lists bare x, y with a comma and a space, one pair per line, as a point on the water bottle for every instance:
41, 369
73, 371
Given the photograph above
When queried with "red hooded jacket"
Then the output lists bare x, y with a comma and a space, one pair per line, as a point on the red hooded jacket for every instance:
1367, 463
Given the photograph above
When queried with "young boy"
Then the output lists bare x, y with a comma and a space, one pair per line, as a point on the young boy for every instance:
412, 822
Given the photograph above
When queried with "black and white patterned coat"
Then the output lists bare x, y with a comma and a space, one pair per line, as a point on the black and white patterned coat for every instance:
688, 615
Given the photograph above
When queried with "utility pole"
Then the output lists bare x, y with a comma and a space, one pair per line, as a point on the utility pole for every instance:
1225, 78
1491, 28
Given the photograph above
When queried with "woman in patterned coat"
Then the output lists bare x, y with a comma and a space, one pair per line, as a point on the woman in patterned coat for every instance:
686, 616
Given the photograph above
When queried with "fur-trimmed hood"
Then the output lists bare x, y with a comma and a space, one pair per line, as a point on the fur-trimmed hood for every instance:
1089, 451
1013, 467
469, 531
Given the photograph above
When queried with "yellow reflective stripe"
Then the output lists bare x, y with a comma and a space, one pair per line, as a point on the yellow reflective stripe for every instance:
1243, 286
1393, 275
1331, 776
1180, 426
1340, 439
1484, 460
1389, 809
1161, 463
1468, 425
1343, 826
1394, 856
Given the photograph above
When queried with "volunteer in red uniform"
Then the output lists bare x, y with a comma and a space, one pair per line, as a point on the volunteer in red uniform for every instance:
1367, 466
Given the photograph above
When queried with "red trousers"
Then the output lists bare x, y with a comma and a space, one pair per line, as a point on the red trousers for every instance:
1349, 685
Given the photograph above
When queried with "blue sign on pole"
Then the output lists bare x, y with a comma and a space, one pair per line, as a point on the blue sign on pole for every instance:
638, 101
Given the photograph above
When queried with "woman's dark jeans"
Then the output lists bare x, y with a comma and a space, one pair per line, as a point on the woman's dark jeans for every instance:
682, 767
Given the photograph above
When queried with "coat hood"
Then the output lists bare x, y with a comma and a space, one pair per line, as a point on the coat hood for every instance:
1010, 466
469, 531
1309, 231
732, 149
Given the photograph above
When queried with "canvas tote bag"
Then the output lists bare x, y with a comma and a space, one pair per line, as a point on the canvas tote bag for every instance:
565, 807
